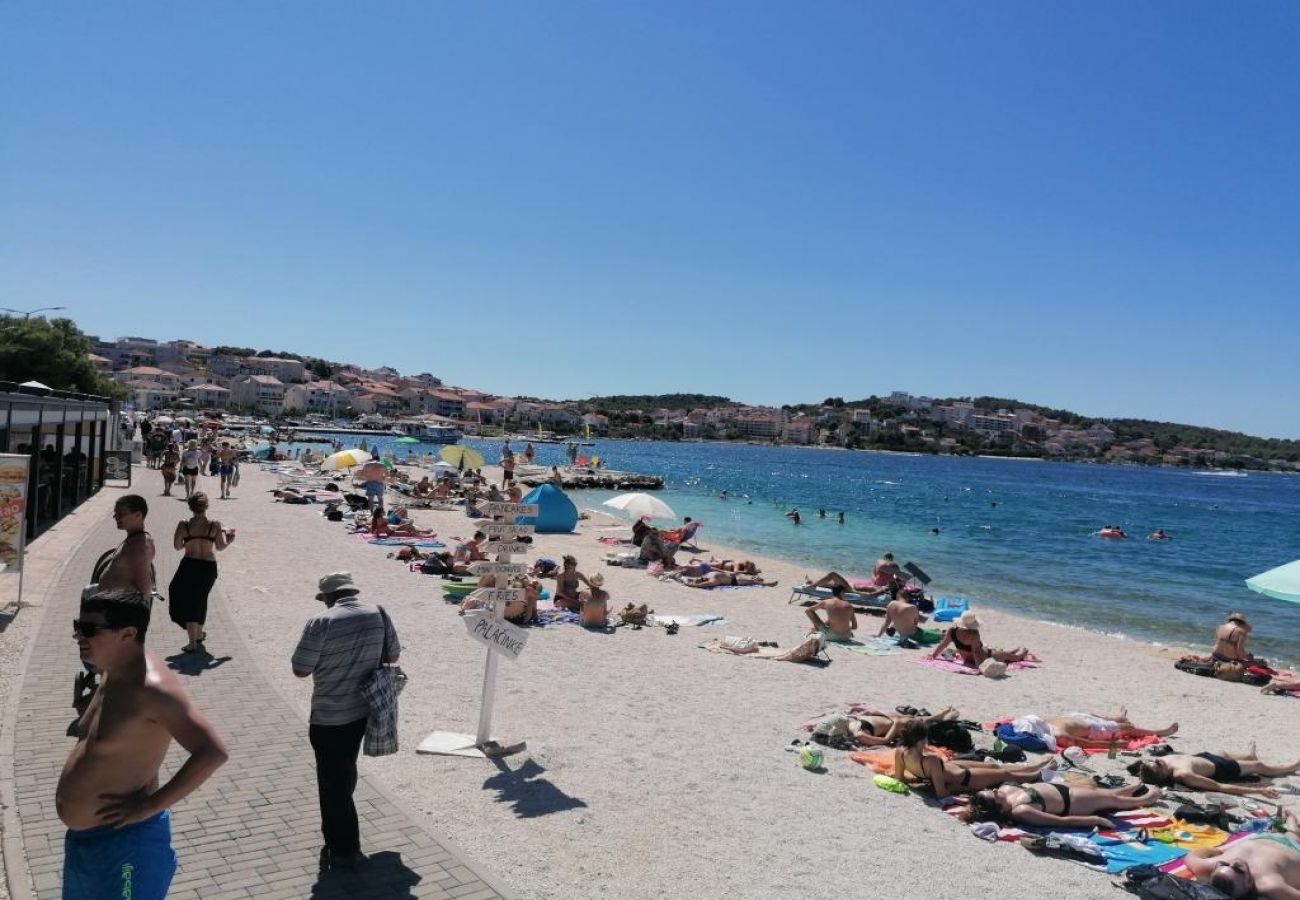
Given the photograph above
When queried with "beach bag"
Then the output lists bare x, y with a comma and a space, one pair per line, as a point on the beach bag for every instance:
380, 691
1255, 679
993, 668
1229, 671
739, 644
1150, 883
806, 651
1203, 814
334, 514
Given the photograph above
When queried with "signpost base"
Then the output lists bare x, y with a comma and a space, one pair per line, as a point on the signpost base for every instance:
451, 743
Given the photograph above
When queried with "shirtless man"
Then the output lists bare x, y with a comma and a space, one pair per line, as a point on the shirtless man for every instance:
1089, 730
119, 830
226, 466
1266, 866
129, 566
1213, 772
904, 618
841, 619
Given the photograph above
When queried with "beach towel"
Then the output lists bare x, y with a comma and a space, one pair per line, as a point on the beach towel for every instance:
1179, 870
948, 665
735, 587
1005, 729
699, 619
858, 708
880, 760
406, 542
1125, 822
868, 646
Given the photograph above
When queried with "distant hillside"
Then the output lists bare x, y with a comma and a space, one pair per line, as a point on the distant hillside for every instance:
621, 402
1171, 434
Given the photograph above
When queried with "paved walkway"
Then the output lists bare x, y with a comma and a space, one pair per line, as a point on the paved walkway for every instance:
253, 829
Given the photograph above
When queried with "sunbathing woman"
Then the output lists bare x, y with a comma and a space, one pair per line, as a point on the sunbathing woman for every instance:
835, 579
726, 579
1092, 731
380, 526
964, 638
914, 763
566, 585
883, 730
1212, 772
1056, 805
748, 566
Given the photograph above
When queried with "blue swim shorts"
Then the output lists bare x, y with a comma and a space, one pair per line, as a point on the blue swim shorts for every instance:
227, 469
375, 489
135, 862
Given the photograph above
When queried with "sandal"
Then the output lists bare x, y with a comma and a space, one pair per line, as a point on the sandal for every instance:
672, 627
906, 710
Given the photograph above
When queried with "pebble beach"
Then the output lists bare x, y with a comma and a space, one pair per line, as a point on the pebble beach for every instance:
654, 767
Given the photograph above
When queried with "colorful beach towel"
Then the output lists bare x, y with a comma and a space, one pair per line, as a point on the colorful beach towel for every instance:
1125, 822
695, 620
423, 543
948, 665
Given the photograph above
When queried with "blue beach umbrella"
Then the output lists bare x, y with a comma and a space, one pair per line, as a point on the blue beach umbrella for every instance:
1282, 583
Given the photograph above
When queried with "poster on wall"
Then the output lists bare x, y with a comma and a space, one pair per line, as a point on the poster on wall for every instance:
13, 509
117, 466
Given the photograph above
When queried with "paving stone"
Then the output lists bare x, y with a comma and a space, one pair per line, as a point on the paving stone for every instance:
251, 831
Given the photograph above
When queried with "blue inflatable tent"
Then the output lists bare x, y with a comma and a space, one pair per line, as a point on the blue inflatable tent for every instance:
556, 513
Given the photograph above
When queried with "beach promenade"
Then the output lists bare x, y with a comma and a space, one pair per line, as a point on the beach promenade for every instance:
253, 829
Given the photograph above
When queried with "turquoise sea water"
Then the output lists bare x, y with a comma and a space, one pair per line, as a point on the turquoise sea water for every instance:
1013, 534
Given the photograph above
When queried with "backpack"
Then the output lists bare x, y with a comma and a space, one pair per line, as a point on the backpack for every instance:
1150, 883
1229, 671
1195, 665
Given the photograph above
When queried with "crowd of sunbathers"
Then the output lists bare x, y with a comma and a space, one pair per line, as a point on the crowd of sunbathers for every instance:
1002, 786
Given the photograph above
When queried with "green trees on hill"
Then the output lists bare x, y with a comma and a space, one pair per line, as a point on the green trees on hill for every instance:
53, 352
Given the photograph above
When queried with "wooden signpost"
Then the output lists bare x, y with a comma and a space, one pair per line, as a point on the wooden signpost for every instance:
487, 626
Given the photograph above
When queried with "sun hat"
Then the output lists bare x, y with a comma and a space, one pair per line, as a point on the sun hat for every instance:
336, 582
969, 620
597, 580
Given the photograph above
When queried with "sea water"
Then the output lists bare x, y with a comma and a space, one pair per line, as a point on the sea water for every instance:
1012, 534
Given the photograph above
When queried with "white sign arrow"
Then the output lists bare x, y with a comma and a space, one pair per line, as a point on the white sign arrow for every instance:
500, 529
500, 637
483, 567
500, 508
501, 547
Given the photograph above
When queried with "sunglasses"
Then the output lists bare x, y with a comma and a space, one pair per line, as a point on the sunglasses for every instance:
90, 629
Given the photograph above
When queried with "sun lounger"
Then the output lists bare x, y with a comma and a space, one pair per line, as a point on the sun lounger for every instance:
859, 601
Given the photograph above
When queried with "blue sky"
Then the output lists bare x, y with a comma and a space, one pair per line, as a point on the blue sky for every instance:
1091, 205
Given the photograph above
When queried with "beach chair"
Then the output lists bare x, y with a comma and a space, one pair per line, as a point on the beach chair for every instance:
860, 602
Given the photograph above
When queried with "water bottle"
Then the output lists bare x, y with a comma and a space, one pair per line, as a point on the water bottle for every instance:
1113, 750
1256, 825
998, 745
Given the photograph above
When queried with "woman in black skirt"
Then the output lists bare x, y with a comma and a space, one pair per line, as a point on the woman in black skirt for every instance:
200, 538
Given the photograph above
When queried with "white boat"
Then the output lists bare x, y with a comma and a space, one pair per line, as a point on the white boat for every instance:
428, 432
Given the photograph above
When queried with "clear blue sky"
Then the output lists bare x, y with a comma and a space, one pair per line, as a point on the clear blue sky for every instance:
1092, 205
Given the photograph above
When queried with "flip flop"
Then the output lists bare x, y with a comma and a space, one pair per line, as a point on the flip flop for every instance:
906, 710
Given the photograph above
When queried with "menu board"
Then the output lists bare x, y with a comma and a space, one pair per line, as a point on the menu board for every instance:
117, 466
13, 509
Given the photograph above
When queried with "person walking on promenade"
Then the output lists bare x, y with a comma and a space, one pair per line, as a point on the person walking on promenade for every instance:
118, 842
341, 648
170, 459
200, 538
130, 564
507, 467
190, 467
226, 466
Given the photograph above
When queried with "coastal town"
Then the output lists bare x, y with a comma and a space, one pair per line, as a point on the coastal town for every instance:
177, 374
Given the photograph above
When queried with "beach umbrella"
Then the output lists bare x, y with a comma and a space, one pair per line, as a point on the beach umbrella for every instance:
184, 420
461, 457
1282, 583
267, 429
345, 459
407, 440
641, 505
163, 420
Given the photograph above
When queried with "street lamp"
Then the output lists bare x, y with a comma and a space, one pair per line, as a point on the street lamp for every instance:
27, 314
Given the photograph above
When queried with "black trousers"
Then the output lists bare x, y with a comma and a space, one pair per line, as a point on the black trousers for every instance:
337, 747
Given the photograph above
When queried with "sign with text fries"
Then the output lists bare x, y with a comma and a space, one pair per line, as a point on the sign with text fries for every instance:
13, 509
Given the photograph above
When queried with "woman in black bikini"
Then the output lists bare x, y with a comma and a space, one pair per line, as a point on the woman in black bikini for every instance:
566, 585
964, 638
200, 538
1056, 804
883, 730
913, 764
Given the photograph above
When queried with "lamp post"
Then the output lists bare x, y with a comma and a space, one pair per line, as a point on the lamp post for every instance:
28, 313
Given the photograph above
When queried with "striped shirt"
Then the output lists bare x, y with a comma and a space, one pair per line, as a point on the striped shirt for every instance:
341, 647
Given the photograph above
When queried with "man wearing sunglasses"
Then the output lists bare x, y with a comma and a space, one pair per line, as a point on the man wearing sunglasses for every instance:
118, 842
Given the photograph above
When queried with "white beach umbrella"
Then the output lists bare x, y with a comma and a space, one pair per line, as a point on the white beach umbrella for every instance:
638, 505
345, 459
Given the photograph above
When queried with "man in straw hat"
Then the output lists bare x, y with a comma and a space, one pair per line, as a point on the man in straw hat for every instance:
119, 829
340, 648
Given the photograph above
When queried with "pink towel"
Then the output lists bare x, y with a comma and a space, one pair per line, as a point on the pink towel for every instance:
947, 665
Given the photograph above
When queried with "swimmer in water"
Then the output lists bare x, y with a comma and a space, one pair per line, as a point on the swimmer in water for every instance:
793, 516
